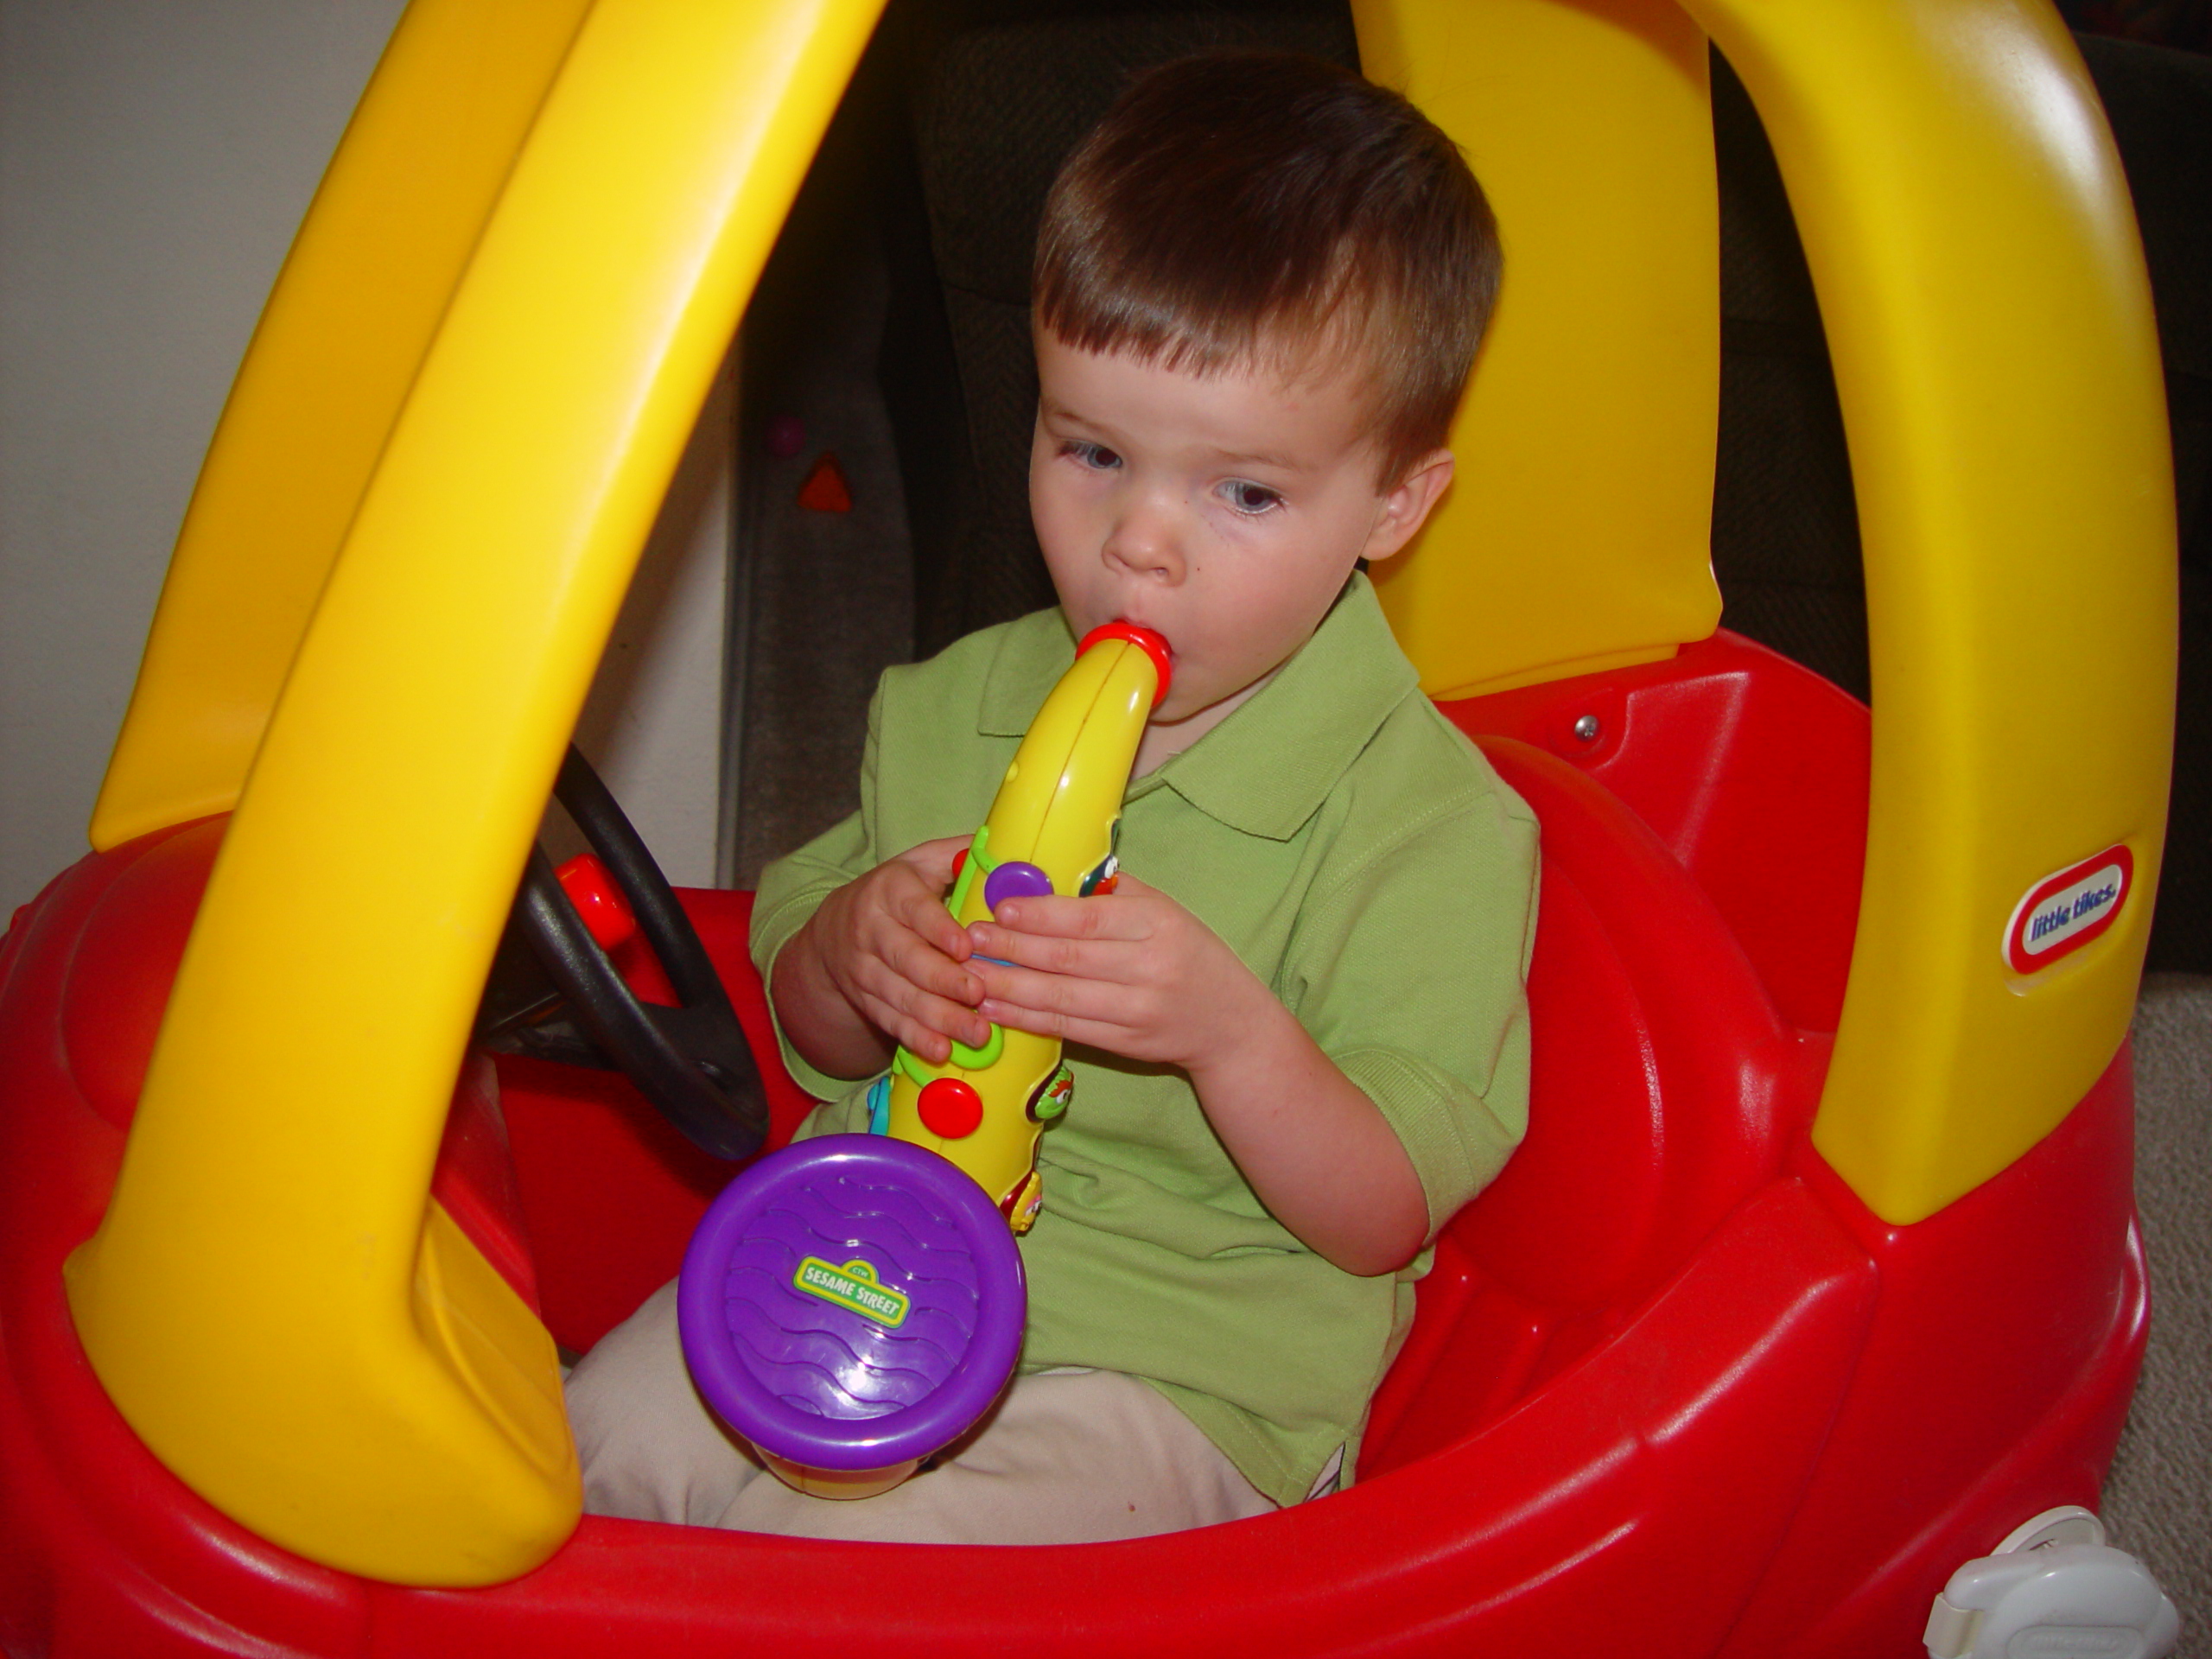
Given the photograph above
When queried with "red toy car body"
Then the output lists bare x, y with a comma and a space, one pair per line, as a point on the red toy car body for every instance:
1672, 1388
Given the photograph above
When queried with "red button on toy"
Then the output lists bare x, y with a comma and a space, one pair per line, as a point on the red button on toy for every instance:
591, 889
950, 1108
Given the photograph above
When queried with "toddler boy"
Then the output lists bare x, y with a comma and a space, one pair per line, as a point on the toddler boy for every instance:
1297, 1027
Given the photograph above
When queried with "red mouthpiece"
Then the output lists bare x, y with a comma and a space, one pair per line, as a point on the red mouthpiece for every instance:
1153, 645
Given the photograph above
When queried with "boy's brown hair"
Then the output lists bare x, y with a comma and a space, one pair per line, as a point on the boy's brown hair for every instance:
1247, 210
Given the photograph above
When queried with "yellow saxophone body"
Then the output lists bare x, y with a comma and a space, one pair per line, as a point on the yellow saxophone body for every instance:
1053, 823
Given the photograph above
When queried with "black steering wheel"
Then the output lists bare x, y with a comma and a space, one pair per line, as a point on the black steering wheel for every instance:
554, 994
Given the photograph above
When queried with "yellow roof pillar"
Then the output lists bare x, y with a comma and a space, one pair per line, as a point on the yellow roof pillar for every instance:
1982, 283
272, 1301
1578, 533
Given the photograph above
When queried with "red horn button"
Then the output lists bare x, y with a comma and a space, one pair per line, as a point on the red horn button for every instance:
591, 888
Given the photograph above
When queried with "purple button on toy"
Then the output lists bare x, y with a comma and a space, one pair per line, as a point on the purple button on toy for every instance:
1015, 879
851, 1303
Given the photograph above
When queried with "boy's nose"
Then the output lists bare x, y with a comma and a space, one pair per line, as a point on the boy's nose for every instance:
1144, 540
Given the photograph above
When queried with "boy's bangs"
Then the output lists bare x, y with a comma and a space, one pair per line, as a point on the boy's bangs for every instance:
1306, 336
1303, 331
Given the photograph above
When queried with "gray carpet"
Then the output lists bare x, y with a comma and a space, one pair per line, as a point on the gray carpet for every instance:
2158, 1500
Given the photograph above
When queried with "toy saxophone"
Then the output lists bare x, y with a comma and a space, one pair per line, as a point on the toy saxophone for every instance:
853, 1302
1052, 828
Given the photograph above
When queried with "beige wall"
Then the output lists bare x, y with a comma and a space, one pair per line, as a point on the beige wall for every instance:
154, 158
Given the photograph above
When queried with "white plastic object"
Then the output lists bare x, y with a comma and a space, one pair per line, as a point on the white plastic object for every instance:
2053, 1590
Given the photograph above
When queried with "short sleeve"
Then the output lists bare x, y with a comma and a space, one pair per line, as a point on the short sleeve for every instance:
793, 887
1409, 969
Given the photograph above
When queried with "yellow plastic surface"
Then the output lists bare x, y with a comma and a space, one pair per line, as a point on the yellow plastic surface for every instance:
1981, 283
270, 1301
354, 309
1055, 809
1578, 532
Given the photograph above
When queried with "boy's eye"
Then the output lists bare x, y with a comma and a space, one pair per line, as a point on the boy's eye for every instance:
1096, 456
1249, 498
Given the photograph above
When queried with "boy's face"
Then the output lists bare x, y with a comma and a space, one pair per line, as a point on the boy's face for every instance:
1223, 511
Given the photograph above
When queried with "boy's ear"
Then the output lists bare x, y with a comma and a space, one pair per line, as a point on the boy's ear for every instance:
1405, 509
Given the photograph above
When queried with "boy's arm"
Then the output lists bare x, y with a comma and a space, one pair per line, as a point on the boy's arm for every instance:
815, 908
1316, 1149
1137, 975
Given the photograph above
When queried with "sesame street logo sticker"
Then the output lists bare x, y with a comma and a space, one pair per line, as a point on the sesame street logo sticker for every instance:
2062, 912
854, 1287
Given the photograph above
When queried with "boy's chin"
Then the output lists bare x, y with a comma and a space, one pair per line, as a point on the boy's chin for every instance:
1200, 708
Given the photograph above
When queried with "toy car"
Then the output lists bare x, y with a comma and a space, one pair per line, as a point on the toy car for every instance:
1817, 1272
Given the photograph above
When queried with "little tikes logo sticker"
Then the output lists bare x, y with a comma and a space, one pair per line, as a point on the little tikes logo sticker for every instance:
852, 1287
2062, 912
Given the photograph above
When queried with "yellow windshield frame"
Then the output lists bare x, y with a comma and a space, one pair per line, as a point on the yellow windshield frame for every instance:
271, 1300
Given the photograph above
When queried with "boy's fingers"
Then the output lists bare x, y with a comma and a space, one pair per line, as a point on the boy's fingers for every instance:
906, 910
1045, 992
1057, 914
1100, 959
1074, 1028
918, 905
1058, 917
918, 1040
927, 926
951, 1016
916, 962
1020, 1016
945, 994
932, 860
928, 1023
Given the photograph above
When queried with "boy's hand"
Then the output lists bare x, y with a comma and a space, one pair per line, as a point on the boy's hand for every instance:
1132, 973
1137, 975
889, 951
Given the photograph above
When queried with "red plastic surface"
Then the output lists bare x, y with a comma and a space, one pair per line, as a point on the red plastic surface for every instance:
120, 972
475, 1179
1664, 1093
102, 1552
1531, 1538
1752, 773
1998, 1373
1672, 1390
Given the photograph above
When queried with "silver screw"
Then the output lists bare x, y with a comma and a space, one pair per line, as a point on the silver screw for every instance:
1586, 728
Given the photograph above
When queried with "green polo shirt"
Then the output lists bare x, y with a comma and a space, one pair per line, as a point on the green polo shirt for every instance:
1363, 859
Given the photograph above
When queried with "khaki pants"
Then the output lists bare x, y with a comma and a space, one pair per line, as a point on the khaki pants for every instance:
1065, 1457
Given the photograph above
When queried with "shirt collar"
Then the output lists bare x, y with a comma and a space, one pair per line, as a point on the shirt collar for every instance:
1267, 768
